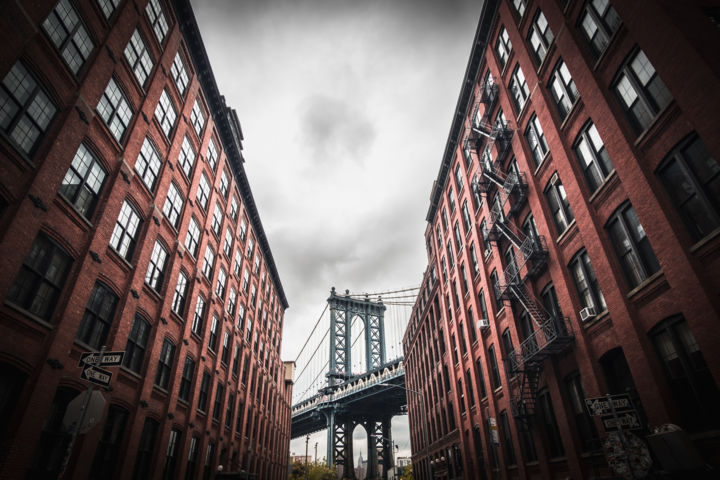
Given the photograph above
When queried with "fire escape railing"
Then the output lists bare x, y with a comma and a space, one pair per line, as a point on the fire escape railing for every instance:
551, 334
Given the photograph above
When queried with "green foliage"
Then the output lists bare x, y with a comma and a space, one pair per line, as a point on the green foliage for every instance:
408, 473
319, 471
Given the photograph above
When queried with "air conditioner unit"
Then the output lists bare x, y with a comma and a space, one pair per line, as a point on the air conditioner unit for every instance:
587, 313
483, 323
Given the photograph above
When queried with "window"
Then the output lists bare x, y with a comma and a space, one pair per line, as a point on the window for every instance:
98, 317
232, 301
248, 330
217, 219
209, 454
225, 358
451, 200
241, 315
212, 154
593, 156
209, 262
467, 222
691, 177
25, 108
559, 204
148, 164
563, 89
451, 259
632, 245
598, 23
640, 91
186, 157
197, 118
474, 259
67, 32
253, 295
238, 261
458, 237
179, 74
540, 36
550, 301
186, 379
179, 296
243, 229
536, 140
483, 306
480, 378
204, 392
446, 225
221, 282
199, 316
246, 280
553, 441
227, 248
229, 409
586, 282
234, 209
126, 229
192, 238
143, 459
114, 109
165, 113
212, 340
136, 344
467, 152
583, 421
458, 177
156, 268
695, 392
41, 278
508, 347
507, 439
519, 88
83, 181
203, 191
173, 205
162, 377
494, 372
192, 459
224, 184
485, 237
171, 455
217, 406
495, 284
520, 6
109, 445
137, 55
157, 19
108, 7
503, 47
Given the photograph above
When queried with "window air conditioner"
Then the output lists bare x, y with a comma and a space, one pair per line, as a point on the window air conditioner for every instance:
483, 323
587, 313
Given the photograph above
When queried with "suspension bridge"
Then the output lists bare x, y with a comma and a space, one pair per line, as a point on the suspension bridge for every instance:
350, 372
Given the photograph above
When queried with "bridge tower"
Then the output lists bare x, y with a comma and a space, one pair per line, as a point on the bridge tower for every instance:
341, 421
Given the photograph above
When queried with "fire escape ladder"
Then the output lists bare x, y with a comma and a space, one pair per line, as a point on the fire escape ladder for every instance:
523, 403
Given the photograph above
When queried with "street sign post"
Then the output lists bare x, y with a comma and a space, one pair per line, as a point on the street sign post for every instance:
109, 359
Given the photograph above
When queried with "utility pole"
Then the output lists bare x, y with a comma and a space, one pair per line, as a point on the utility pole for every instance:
316, 444
307, 472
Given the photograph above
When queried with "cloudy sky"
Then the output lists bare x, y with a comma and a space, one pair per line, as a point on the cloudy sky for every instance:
345, 107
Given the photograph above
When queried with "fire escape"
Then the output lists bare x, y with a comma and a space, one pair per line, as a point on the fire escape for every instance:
550, 334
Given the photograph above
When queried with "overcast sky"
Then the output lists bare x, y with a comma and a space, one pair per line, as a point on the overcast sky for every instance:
345, 107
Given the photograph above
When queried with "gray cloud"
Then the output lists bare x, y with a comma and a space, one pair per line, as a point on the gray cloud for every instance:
334, 130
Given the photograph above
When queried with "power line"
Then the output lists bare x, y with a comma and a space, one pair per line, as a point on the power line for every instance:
311, 333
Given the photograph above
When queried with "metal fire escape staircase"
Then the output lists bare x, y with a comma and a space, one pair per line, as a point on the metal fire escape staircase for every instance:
551, 335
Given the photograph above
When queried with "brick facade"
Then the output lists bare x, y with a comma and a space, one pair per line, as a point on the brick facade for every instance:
637, 243
77, 276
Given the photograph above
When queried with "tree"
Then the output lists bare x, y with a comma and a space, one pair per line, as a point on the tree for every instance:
298, 471
321, 471
408, 473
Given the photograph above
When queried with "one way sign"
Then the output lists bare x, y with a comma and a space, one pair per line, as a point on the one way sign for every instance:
109, 359
626, 420
96, 375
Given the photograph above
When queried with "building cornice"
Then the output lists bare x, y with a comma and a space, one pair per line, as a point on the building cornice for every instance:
487, 17
228, 127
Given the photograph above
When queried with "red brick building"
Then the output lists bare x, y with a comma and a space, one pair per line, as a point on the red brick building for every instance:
573, 244
127, 221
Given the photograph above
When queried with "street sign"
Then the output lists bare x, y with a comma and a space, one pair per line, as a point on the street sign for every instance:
601, 406
96, 375
628, 420
93, 414
109, 359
